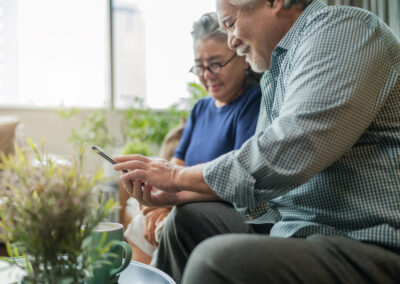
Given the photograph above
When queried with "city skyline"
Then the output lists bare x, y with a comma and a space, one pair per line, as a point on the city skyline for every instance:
66, 62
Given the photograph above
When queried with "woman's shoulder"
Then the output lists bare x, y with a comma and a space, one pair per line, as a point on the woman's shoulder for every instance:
201, 105
251, 94
253, 91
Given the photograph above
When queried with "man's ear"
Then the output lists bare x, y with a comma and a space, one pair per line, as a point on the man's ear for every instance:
270, 2
276, 5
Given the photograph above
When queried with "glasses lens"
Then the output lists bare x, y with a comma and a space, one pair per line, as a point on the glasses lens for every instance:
214, 68
196, 70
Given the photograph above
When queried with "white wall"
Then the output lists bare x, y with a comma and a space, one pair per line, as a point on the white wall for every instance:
47, 124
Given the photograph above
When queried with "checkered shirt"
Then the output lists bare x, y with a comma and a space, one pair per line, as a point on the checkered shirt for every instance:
325, 155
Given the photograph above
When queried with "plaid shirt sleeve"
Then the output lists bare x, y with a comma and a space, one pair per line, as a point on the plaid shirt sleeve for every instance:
327, 100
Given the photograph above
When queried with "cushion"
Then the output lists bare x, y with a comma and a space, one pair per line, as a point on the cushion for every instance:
8, 124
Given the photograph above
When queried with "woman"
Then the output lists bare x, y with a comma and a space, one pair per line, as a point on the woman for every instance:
217, 124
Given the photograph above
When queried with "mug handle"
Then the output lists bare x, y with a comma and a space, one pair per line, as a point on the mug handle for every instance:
128, 256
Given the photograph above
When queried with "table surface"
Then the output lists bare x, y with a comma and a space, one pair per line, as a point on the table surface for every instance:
135, 273
139, 273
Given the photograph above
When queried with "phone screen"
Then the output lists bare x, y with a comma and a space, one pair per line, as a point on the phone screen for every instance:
100, 151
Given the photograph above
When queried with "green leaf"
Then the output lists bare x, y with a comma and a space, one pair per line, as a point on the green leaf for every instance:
63, 198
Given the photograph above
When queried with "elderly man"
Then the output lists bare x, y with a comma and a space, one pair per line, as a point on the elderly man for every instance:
323, 166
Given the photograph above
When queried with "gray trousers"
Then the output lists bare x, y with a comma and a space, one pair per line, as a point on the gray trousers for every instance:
235, 253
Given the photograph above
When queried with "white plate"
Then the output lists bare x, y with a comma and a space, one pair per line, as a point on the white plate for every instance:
10, 273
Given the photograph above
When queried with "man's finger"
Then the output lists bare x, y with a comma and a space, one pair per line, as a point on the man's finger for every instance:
130, 165
133, 175
126, 158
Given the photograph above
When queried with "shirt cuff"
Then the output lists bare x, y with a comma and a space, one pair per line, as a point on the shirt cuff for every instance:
227, 177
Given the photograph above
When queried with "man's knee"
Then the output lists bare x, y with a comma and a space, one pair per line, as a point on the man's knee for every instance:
213, 250
184, 225
205, 261
181, 218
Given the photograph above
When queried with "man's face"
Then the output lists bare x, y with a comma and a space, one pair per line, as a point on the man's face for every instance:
253, 32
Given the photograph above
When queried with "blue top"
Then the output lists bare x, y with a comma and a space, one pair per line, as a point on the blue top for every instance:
325, 155
210, 131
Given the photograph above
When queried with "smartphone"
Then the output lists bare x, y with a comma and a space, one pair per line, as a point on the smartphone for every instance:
100, 151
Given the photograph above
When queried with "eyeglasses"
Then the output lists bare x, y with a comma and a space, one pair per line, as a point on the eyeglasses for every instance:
214, 68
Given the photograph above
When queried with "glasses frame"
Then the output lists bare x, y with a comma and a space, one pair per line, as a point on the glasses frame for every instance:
210, 67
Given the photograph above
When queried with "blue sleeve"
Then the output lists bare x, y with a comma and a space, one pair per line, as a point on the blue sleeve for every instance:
180, 151
248, 116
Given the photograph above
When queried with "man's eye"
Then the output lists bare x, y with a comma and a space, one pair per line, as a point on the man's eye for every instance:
230, 26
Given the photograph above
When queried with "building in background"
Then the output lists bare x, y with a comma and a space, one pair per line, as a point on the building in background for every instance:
8, 52
55, 52
1, 50
129, 54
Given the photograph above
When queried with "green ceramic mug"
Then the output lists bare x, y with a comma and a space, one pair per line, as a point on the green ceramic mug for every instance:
108, 273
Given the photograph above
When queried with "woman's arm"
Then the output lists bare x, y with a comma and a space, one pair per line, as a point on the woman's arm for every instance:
178, 161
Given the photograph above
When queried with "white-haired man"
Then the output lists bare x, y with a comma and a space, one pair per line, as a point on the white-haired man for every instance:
323, 166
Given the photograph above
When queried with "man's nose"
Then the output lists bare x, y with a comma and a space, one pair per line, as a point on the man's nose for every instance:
233, 41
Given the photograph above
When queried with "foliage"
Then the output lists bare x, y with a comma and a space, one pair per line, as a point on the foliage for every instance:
196, 93
143, 127
68, 113
146, 126
48, 211
136, 147
93, 129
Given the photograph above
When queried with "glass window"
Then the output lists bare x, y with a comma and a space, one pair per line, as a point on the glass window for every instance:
55, 53
153, 49
129, 49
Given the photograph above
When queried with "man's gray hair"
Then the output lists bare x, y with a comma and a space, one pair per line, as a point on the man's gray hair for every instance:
286, 3
208, 27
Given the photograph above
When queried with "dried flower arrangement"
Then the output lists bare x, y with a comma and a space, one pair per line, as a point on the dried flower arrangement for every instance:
48, 212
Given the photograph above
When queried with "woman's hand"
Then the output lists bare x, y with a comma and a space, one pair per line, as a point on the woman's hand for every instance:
149, 196
152, 218
153, 197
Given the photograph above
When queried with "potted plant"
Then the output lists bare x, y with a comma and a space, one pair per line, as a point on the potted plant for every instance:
147, 127
48, 211
92, 129
143, 128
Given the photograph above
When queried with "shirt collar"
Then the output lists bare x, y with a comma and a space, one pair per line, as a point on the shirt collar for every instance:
297, 27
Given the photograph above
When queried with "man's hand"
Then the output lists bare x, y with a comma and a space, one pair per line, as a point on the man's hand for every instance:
152, 218
157, 172
156, 182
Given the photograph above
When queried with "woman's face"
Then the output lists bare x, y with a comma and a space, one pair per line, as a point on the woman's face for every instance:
227, 84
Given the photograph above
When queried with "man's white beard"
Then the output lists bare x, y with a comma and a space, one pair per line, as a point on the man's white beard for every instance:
257, 63
243, 49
